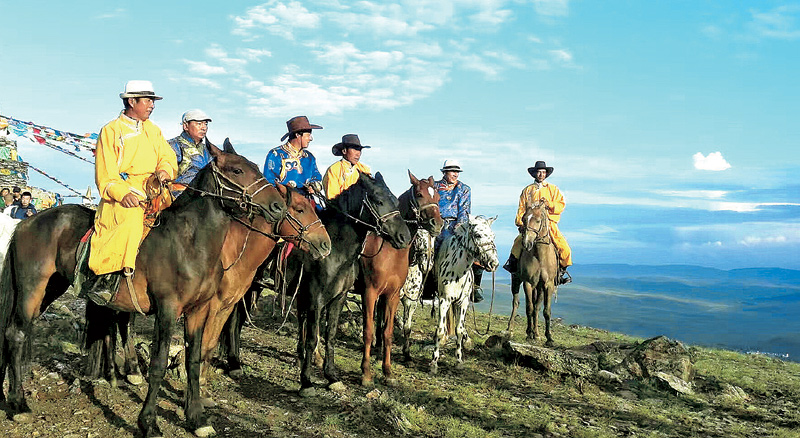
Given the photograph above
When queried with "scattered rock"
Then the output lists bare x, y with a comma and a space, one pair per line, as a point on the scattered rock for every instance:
608, 376
25, 418
675, 383
372, 395
558, 361
732, 394
495, 341
659, 354
337, 387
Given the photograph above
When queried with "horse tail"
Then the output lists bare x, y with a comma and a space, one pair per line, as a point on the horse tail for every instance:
99, 337
8, 300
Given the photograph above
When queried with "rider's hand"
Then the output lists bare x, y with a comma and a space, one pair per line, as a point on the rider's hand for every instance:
130, 200
162, 176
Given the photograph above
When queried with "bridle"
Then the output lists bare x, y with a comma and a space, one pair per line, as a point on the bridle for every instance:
480, 248
242, 196
417, 210
542, 233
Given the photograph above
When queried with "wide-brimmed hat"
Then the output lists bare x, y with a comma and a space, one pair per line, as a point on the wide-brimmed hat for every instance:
196, 115
453, 165
299, 123
348, 141
139, 89
540, 165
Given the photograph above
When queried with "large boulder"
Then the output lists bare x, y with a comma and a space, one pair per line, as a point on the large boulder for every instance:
558, 361
658, 355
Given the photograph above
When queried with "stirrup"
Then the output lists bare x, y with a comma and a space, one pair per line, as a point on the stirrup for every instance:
564, 278
477, 295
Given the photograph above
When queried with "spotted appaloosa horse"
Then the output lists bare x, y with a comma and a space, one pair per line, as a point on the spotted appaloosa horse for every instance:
472, 241
419, 267
538, 270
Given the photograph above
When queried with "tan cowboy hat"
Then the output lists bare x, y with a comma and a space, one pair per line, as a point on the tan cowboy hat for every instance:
348, 141
453, 165
540, 165
139, 89
296, 124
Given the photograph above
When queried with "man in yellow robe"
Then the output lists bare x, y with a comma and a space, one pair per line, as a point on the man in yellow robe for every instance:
344, 173
531, 195
129, 150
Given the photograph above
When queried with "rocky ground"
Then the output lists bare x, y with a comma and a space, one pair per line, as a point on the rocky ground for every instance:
508, 387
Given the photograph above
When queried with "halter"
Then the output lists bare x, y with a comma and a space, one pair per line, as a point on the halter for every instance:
543, 232
480, 248
417, 209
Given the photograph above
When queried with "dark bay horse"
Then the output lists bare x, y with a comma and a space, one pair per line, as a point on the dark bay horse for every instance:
384, 269
538, 270
178, 270
365, 207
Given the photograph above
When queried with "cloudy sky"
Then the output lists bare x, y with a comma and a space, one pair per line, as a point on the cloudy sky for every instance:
672, 126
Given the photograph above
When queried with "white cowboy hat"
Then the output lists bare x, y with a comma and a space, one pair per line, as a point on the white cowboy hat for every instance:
453, 165
196, 115
139, 89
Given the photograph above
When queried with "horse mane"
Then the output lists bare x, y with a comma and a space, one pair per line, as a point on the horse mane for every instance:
202, 181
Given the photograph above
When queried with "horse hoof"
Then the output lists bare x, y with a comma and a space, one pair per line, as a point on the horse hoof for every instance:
549, 343
309, 391
367, 382
23, 418
236, 373
205, 431
337, 387
135, 379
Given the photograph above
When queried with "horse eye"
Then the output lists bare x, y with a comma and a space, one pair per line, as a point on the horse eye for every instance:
238, 171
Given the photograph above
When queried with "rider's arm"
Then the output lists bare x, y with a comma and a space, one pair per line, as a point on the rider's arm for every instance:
523, 204
464, 204
272, 167
106, 170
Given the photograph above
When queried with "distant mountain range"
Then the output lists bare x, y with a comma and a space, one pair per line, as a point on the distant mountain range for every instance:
752, 309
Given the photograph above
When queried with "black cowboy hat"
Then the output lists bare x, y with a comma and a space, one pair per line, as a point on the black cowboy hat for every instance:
299, 123
348, 141
540, 165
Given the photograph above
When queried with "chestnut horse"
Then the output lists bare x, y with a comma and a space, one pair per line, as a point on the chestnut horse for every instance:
384, 269
537, 270
178, 271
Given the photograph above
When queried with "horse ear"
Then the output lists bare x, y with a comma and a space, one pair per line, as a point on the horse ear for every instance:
213, 150
228, 147
492, 219
431, 180
379, 178
413, 178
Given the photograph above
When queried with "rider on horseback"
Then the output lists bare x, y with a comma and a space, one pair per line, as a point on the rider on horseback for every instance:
344, 173
130, 149
542, 190
291, 163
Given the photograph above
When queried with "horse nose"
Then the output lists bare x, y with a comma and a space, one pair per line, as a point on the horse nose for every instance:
277, 208
325, 246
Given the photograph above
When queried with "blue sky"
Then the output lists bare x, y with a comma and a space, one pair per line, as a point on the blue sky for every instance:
672, 126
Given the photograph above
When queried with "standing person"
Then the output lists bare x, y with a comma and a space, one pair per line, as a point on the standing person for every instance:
25, 209
344, 173
542, 190
5, 197
455, 204
16, 194
290, 163
130, 149
191, 148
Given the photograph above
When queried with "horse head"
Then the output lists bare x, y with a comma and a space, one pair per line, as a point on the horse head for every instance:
377, 206
536, 225
302, 225
422, 200
239, 185
482, 237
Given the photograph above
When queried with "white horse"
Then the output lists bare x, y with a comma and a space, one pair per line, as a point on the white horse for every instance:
7, 226
472, 241
420, 264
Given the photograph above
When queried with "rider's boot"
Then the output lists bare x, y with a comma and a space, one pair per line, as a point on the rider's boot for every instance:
516, 282
563, 276
511, 264
103, 288
477, 295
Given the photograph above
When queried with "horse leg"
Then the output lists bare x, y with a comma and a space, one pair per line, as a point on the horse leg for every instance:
380, 313
549, 290
390, 309
441, 333
313, 316
515, 283
409, 307
101, 329
368, 299
329, 364
193, 335
231, 339
461, 331
530, 310
131, 362
162, 331
18, 336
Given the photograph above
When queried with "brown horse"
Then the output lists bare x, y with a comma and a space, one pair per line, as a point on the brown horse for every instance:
178, 272
538, 270
384, 269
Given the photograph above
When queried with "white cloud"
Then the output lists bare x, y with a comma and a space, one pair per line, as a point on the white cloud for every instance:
747, 234
551, 7
713, 161
253, 54
277, 18
704, 194
561, 55
201, 82
779, 23
203, 68
492, 17
116, 13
